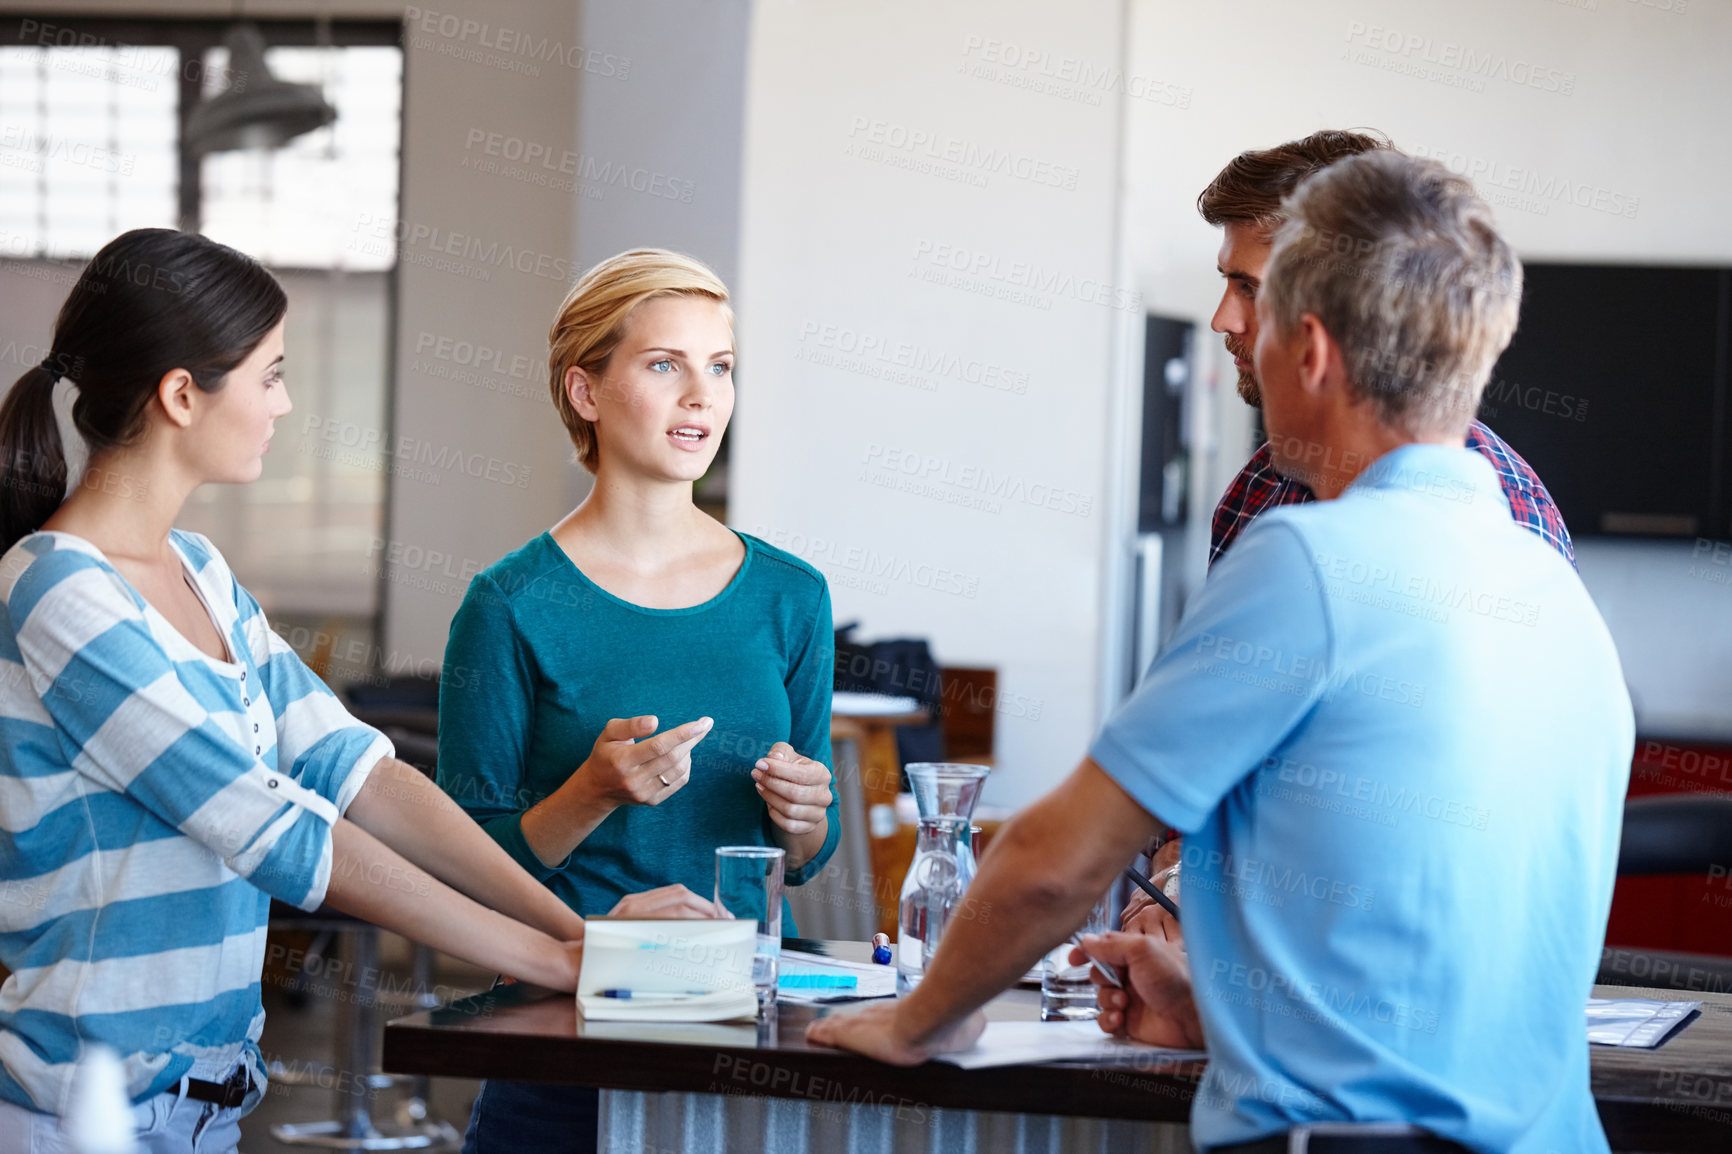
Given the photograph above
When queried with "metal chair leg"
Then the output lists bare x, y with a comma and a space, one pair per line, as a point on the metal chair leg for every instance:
358, 1029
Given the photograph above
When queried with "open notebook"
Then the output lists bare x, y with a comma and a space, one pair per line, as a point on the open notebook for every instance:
667, 970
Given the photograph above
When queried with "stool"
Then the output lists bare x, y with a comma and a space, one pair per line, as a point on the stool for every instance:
358, 1034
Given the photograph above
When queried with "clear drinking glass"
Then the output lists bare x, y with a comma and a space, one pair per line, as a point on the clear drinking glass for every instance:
749, 885
1066, 993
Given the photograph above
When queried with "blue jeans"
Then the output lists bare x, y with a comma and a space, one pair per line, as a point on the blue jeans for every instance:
533, 1118
165, 1124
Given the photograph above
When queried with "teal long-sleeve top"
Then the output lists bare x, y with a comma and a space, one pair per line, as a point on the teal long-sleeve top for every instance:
540, 658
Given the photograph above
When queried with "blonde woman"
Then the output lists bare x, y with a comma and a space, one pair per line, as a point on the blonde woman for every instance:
658, 684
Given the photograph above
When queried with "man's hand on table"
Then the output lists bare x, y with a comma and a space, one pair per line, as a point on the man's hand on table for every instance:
879, 1032
1157, 1006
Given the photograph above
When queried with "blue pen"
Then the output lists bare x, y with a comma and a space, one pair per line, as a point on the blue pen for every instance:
627, 994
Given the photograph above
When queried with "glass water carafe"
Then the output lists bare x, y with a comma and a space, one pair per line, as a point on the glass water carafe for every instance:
943, 862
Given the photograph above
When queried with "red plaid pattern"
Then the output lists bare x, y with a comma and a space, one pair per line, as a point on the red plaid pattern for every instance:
1258, 488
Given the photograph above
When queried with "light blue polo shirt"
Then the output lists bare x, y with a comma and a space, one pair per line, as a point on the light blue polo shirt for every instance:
1395, 732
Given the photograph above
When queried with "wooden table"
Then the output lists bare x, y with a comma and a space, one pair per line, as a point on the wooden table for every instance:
1676, 1098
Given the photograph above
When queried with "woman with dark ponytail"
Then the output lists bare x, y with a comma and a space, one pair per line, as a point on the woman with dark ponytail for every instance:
167, 764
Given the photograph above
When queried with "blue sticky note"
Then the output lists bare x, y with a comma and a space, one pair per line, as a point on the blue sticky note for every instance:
816, 982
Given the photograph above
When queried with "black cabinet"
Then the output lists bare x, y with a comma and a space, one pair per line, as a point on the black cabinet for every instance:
1615, 390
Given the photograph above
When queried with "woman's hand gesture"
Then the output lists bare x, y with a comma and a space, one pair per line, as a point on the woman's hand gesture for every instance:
629, 767
674, 901
797, 789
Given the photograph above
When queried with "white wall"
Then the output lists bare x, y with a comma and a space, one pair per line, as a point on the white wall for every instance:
886, 393
490, 118
1641, 140
674, 129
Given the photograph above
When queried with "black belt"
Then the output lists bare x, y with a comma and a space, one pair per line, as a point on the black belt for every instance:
228, 1095
1350, 1144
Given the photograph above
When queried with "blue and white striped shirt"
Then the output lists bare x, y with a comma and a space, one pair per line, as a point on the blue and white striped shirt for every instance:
152, 801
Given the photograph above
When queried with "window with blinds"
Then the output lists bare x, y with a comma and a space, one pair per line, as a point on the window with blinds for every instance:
90, 147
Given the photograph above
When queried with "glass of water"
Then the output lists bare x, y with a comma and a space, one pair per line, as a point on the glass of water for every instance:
1066, 993
749, 885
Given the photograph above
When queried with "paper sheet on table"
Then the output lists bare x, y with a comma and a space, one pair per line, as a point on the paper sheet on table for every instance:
871, 979
1031, 1043
1636, 1023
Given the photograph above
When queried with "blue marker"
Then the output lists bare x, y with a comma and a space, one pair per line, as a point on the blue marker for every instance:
881, 949
642, 994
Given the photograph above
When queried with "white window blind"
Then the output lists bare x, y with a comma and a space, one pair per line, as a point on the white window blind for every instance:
87, 147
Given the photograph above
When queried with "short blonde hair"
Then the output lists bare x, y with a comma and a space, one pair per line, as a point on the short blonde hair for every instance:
591, 322
1401, 261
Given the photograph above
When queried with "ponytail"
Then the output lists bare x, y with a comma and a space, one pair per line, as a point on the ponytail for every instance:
32, 459
150, 301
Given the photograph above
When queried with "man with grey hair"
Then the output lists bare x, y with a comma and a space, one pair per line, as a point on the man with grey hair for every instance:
1392, 728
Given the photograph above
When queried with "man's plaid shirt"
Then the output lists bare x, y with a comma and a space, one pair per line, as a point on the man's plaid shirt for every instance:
1259, 488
